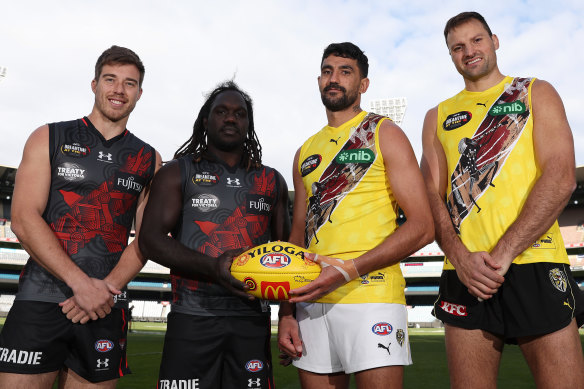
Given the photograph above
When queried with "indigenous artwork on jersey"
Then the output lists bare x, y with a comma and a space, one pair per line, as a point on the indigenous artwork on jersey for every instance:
95, 214
343, 174
483, 156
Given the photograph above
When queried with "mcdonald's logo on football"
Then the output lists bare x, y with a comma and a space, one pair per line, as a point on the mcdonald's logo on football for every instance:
275, 290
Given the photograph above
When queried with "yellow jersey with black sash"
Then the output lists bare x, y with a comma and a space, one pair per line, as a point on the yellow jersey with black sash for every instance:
488, 142
350, 205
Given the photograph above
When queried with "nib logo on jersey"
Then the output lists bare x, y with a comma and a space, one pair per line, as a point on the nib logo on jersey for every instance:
129, 183
75, 150
257, 204
189, 383
355, 156
205, 202
71, 171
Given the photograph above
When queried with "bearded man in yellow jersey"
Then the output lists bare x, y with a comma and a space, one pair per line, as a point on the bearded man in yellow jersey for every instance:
349, 179
499, 168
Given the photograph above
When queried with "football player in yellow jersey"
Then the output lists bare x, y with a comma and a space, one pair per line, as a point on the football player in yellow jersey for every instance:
499, 168
348, 179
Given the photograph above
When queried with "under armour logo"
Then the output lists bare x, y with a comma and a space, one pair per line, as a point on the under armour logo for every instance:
104, 363
102, 156
233, 181
379, 345
251, 382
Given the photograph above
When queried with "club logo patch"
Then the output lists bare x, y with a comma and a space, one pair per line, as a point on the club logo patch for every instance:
254, 366
559, 279
310, 164
400, 336
382, 328
75, 150
456, 120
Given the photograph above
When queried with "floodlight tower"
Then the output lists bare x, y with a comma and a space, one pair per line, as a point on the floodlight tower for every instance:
394, 108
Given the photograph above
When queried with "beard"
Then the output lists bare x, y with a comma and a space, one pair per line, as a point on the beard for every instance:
339, 103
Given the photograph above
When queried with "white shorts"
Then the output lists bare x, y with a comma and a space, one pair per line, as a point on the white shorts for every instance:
352, 337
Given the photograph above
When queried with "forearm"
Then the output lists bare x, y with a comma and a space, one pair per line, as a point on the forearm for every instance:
129, 265
406, 240
545, 202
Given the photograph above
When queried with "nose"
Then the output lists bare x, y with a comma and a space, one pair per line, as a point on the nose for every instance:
334, 77
119, 87
230, 117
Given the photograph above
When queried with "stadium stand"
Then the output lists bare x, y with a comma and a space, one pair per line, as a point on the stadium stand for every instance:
151, 289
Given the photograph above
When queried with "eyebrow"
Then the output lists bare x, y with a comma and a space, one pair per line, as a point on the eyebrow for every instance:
114, 76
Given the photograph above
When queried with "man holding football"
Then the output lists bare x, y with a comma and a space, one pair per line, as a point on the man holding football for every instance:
349, 179
202, 214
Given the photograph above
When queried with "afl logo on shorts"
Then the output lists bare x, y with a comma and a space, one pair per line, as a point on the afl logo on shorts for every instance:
254, 366
275, 260
382, 328
104, 345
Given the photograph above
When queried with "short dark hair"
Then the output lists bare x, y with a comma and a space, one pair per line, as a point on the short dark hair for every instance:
120, 56
348, 50
197, 143
462, 18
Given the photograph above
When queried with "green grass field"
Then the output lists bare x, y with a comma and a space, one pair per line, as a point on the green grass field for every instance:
429, 370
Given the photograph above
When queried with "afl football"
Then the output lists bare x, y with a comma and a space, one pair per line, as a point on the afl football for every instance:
272, 269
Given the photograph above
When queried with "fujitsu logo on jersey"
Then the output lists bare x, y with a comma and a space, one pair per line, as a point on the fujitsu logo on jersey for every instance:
453, 309
20, 357
275, 260
129, 183
254, 365
257, 205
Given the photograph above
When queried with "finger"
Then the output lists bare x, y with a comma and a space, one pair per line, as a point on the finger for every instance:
93, 315
113, 290
67, 307
84, 320
77, 318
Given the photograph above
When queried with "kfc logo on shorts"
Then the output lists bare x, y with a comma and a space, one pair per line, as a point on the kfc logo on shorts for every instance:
382, 328
104, 345
254, 366
275, 260
453, 309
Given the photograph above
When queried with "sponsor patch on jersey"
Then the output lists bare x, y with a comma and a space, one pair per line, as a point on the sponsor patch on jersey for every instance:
257, 204
400, 336
275, 260
75, 150
377, 277
382, 328
456, 120
355, 156
128, 183
254, 365
205, 179
71, 171
514, 107
545, 242
205, 202
310, 164
231, 182
104, 345
559, 279
105, 157
453, 309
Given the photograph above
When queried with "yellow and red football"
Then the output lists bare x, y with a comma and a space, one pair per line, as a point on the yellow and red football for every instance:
272, 269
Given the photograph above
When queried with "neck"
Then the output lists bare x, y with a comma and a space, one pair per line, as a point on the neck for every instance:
106, 127
231, 158
335, 119
484, 83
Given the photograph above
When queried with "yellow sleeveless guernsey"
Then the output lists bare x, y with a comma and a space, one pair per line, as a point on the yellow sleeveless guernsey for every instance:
488, 141
350, 205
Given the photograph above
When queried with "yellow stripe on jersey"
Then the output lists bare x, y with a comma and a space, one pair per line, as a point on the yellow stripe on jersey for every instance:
488, 142
350, 205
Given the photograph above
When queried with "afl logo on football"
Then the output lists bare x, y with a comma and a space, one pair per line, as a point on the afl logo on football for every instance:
254, 365
382, 328
104, 345
275, 260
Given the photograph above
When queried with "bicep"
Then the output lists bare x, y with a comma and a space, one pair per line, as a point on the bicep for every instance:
33, 177
433, 163
299, 210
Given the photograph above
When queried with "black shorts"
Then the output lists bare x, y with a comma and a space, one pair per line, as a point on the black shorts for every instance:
38, 338
535, 299
216, 352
